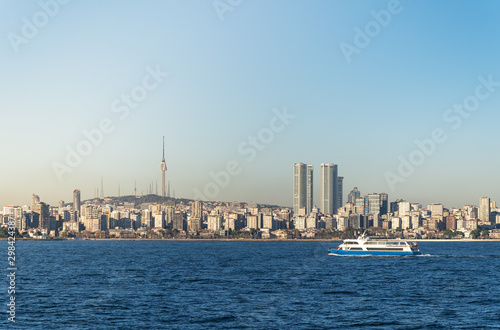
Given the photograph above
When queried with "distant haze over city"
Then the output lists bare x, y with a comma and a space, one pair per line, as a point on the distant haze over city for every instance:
404, 100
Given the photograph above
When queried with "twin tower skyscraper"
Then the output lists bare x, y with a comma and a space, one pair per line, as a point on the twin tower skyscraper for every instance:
330, 189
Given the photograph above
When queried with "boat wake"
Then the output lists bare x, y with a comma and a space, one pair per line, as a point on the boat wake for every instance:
457, 256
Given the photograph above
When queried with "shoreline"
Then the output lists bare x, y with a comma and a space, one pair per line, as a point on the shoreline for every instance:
249, 240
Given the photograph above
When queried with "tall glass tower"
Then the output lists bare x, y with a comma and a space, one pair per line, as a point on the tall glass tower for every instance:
302, 187
340, 192
328, 189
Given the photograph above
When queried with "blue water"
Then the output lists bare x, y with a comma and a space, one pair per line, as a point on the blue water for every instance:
258, 285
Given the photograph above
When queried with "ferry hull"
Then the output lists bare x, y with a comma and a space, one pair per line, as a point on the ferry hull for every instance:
336, 252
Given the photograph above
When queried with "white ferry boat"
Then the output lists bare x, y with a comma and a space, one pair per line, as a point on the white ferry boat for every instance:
364, 246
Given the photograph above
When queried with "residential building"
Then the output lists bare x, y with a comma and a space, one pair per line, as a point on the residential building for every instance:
484, 209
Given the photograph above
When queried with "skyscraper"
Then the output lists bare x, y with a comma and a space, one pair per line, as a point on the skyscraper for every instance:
309, 195
76, 200
404, 208
374, 204
196, 215
163, 167
384, 203
359, 205
35, 199
42, 210
328, 189
353, 195
302, 187
340, 192
436, 210
484, 209
15, 213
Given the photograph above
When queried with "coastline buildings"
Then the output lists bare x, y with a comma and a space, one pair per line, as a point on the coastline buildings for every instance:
404, 208
41, 211
376, 204
196, 218
35, 199
340, 192
484, 209
328, 189
16, 213
353, 195
302, 187
76, 201
100, 218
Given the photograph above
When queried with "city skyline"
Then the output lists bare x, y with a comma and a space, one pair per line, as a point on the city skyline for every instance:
483, 203
402, 109
193, 164
142, 217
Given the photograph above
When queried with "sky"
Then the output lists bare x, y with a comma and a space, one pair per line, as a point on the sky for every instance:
403, 96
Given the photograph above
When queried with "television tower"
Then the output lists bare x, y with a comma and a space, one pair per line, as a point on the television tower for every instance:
163, 167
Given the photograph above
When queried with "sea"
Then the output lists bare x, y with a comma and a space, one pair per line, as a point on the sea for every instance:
250, 284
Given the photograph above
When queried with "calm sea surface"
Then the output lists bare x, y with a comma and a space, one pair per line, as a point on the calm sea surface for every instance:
265, 285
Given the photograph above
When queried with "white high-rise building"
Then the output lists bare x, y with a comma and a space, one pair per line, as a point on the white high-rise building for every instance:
328, 189
406, 222
436, 210
404, 208
302, 187
396, 223
214, 222
15, 213
484, 209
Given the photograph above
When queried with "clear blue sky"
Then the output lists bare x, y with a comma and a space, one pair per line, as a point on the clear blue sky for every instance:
225, 78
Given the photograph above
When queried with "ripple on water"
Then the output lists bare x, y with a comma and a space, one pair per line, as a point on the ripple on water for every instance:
198, 285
